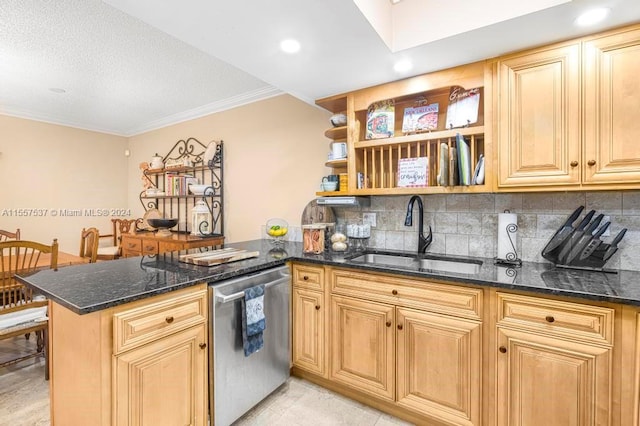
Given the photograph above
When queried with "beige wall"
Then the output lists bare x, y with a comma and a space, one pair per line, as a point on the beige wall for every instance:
274, 152
52, 168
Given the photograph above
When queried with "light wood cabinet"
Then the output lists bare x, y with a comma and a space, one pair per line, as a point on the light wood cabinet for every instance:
141, 363
163, 382
566, 115
439, 366
147, 243
414, 342
612, 102
539, 117
362, 345
554, 362
309, 334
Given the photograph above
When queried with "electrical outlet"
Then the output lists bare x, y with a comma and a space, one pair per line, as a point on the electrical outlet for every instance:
606, 219
369, 218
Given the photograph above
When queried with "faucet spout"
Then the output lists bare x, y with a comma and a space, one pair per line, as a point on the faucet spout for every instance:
423, 242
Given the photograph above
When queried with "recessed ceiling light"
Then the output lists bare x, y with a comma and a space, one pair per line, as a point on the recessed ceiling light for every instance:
592, 17
290, 45
402, 66
57, 90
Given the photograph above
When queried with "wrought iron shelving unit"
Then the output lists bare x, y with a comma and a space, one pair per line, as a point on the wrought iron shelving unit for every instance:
210, 174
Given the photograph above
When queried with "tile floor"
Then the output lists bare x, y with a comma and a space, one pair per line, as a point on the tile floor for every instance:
24, 399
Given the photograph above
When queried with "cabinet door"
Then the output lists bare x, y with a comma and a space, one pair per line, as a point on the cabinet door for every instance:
612, 103
362, 342
163, 382
439, 362
539, 118
309, 331
552, 382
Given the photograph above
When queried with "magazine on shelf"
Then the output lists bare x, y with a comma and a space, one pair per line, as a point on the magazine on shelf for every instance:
463, 107
380, 120
413, 172
420, 119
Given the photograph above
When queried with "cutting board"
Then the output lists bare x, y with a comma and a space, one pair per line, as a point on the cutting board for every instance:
313, 213
216, 257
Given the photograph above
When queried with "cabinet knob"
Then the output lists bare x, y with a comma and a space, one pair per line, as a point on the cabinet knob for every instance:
202, 345
399, 326
502, 350
306, 278
388, 323
394, 292
549, 318
591, 162
574, 164
169, 320
317, 307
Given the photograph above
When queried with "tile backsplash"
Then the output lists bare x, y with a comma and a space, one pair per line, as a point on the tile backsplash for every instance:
466, 224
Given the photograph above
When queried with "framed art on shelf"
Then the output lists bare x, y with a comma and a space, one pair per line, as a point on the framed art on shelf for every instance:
380, 120
420, 119
413, 172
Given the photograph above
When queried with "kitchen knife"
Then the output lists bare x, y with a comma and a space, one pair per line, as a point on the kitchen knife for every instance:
564, 232
594, 242
568, 243
614, 245
582, 242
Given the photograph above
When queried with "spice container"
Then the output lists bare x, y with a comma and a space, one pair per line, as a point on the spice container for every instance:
313, 238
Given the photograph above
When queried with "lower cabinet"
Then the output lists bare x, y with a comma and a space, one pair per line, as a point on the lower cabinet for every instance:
548, 381
309, 330
141, 363
163, 382
363, 345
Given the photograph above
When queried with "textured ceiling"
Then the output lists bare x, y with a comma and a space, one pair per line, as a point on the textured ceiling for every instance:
133, 65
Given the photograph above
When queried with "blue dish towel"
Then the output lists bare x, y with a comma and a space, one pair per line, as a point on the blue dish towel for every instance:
253, 320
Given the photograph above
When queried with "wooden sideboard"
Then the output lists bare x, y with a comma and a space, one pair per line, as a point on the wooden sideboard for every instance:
144, 243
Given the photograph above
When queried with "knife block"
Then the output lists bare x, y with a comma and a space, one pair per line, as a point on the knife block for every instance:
595, 261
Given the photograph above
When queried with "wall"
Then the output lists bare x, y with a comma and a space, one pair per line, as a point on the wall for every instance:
58, 169
466, 224
273, 158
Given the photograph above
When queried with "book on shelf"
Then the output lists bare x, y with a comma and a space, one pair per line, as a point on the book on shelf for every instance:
380, 120
413, 172
463, 107
464, 161
420, 119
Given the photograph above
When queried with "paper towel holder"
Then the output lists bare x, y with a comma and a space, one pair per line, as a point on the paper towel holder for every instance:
511, 258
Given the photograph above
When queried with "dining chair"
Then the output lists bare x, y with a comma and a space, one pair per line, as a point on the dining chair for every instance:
89, 244
22, 311
7, 235
120, 226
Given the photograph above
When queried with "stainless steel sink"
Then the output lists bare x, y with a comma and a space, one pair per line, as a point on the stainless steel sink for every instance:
430, 262
457, 266
385, 259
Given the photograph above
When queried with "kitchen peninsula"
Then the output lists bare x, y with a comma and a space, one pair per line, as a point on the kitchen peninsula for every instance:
110, 316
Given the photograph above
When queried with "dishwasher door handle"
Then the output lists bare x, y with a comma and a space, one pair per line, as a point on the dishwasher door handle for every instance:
223, 298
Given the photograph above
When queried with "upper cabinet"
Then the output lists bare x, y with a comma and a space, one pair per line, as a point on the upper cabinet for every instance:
379, 138
566, 115
612, 108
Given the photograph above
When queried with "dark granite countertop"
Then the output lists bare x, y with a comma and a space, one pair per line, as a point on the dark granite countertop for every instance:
93, 287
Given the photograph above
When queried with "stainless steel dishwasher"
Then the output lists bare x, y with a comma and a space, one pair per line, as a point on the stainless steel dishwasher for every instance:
237, 383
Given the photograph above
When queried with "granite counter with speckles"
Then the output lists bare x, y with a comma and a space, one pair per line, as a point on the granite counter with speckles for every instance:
93, 287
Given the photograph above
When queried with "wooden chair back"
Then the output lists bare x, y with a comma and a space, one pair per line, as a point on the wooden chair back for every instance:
23, 258
120, 226
89, 244
7, 235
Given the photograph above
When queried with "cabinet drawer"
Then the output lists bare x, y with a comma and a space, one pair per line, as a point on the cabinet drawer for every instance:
166, 247
148, 322
450, 299
311, 277
149, 247
566, 319
132, 245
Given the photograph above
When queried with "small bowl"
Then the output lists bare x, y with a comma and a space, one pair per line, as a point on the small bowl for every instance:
338, 120
161, 223
277, 229
201, 189
329, 186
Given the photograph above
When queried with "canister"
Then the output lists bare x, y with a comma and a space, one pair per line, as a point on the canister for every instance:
344, 182
313, 238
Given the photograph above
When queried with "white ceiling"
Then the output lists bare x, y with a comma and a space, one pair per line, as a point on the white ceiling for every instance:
129, 66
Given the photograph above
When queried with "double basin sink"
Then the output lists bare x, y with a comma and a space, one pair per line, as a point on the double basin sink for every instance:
422, 262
